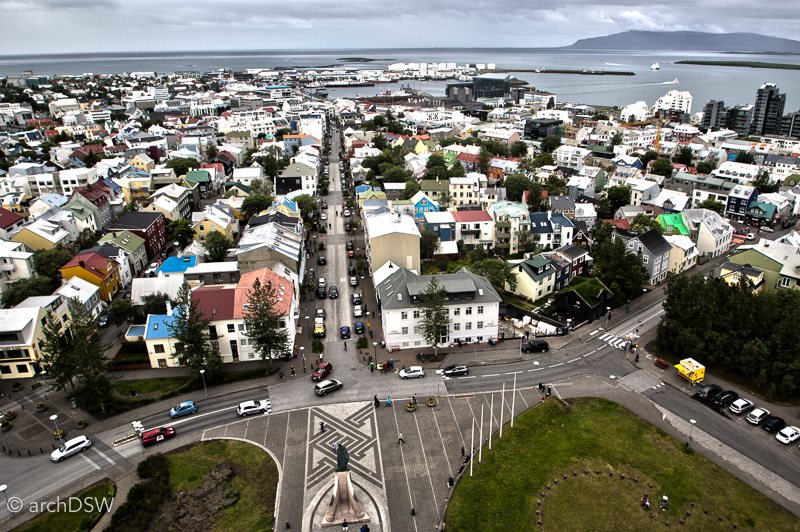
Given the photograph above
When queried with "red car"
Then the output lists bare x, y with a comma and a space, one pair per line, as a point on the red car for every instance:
156, 435
351, 254
322, 371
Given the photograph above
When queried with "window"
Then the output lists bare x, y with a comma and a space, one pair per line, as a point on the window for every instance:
468, 326
158, 348
786, 282
416, 314
416, 330
162, 362
243, 341
457, 311
456, 326
644, 259
231, 327
201, 227
480, 309
405, 330
404, 315
479, 325
215, 345
469, 311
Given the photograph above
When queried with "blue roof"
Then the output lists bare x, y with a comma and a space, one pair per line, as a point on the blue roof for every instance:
54, 200
112, 185
561, 219
178, 264
157, 326
363, 188
540, 223
135, 330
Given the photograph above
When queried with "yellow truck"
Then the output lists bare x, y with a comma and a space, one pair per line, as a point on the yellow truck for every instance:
319, 327
691, 370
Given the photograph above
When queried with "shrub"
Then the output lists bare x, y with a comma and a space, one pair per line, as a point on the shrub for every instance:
362, 343
138, 346
318, 347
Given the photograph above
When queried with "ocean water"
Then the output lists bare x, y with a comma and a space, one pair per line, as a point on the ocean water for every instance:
731, 84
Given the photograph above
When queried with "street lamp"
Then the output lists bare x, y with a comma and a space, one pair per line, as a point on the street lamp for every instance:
644, 294
3, 488
569, 326
203, 375
53, 419
302, 352
608, 315
476, 351
375, 350
308, 327
691, 429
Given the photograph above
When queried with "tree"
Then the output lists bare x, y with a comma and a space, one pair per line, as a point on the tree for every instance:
306, 204
550, 143
155, 304
526, 241
764, 184
661, 167
648, 156
58, 359
497, 272
537, 202
258, 186
254, 204
435, 323
445, 199
705, 167
715, 206
685, 156
412, 187
642, 223
515, 185
211, 151
477, 255
270, 166
217, 246
380, 142
484, 158
543, 159
519, 149
617, 197
121, 311
181, 165
745, 158
21, 290
180, 230
266, 326
617, 139
379, 121
281, 132
602, 233
556, 186
395, 174
457, 170
429, 244
190, 331
48, 262
620, 270
434, 161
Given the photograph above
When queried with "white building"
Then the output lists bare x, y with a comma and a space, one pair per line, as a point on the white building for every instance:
674, 100
712, 234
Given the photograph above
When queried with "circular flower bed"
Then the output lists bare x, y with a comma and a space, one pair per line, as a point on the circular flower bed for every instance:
10, 414
431, 401
411, 407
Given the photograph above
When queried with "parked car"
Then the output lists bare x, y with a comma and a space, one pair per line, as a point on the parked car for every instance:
321, 293
149, 437
751, 236
355, 299
768, 229
183, 409
333, 292
351, 254
70, 447
774, 424
359, 327
253, 407
322, 371
709, 392
535, 345
454, 369
354, 281
323, 216
412, 372
347, 212
322, 282
740, 406
349, 246
321, 260
725, 398
757, 416
103, 321
358, 311
328, 385
320, 313
347, 227
325, 206
344, 332
351, 270
788, 434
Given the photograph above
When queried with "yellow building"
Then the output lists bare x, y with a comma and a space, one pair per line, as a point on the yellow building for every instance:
143, 162
734, 273
96, 269
214, 218
42, 234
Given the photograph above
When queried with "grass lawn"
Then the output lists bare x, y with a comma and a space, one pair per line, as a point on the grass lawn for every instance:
68, 521
160, 385
255, 480
548, 442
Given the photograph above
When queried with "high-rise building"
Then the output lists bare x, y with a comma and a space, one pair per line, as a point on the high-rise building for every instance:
738, 119
790, 125
713, 115
768, 110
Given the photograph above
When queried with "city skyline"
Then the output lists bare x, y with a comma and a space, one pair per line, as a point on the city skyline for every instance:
80, 26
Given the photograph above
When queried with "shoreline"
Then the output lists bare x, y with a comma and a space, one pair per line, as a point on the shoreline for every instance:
741, 64
561, 71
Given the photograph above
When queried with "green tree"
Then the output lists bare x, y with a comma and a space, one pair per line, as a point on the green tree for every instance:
395, 174
484, 158
445, 199
94, 388
661, 167
617, 197
543, 159
617, 139
715, 206
121, 311
254, 204
155, 304
704, 167
266, 327
306, 204
181, 165
685, 156
515, 185
412, 187
429, 244
435, 323
270, 166
180, 231
519, 149
550, 143
434, 161
745, 158
526, 241
380, 142
642, 223
556, 186
477, 255
537, 201
48, 262
497, 272
217, 245
621, 271
603, 231
21, 290
648, 156
457, 170
764, 184
59, 361
211, 151
190, 331
283, 131
259, 186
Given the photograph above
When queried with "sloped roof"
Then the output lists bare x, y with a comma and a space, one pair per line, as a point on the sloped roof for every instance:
215, 302
284, 290
93, 262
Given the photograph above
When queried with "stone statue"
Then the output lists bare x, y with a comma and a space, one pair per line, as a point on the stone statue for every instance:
342, 458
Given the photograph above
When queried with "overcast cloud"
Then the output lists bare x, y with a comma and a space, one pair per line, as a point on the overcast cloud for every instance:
70, 26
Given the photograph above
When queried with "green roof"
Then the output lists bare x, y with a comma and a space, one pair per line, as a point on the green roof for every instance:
534, 263
240, 186
589, 289
432, 184
768, 208
126, 240
673, 224
198, 176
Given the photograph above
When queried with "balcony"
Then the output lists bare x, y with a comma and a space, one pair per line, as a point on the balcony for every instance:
475, 232
8, 267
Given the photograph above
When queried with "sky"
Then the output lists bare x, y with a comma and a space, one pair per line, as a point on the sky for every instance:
87, 26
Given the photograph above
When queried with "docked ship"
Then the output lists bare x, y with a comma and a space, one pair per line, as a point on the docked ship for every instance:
322, 92
655, 66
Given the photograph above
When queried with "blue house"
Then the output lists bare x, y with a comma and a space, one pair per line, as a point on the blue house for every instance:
175, 265
421, 204
442, 223
740, 199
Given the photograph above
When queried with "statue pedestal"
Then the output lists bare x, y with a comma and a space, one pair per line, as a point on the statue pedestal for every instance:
344, 505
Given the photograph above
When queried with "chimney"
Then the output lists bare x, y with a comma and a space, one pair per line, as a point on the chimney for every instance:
169, 309
81, 264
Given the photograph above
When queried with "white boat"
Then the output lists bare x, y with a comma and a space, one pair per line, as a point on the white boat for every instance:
675, 80
655, 66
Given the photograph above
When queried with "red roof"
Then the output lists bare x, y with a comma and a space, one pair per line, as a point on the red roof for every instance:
472, 216
8, 218
98, 193
93, 263
217, 166
215, 302
468, 157
622, 223
284, 288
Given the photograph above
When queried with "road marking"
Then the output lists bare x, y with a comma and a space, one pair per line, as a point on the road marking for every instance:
195, 416
573, 360
104, 456
92, 463
513, 373
492, 375
584, 356
554, 365
594, 332
466, 377
537, 369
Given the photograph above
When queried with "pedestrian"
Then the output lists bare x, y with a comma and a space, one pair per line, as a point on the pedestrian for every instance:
344, 525
400, 438
322, 426
462, 451
334, 445
391, 364
527, 334
627, 308
370, 358
414, 399
376, 401
345, 346
371, 367
637, 357
388, 401
293, 371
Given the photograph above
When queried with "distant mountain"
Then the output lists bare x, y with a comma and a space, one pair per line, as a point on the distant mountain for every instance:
689, 40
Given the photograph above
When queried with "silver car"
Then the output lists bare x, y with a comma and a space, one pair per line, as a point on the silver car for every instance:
358, 311
70, 447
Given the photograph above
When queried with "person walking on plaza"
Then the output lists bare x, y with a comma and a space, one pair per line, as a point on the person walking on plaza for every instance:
400, 438
462, 451
322, 426
371, 367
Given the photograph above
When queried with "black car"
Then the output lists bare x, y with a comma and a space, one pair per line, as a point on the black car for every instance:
349, 246
535, 345
355, 299
774, 424
709, 392
359, 327
103, 321
455, 369
351, 270
344, 332
325, 206
725, 398
321, 260
321, 292
320, 313
333, 292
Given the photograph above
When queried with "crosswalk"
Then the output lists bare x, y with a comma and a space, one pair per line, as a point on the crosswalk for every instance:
614, 341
